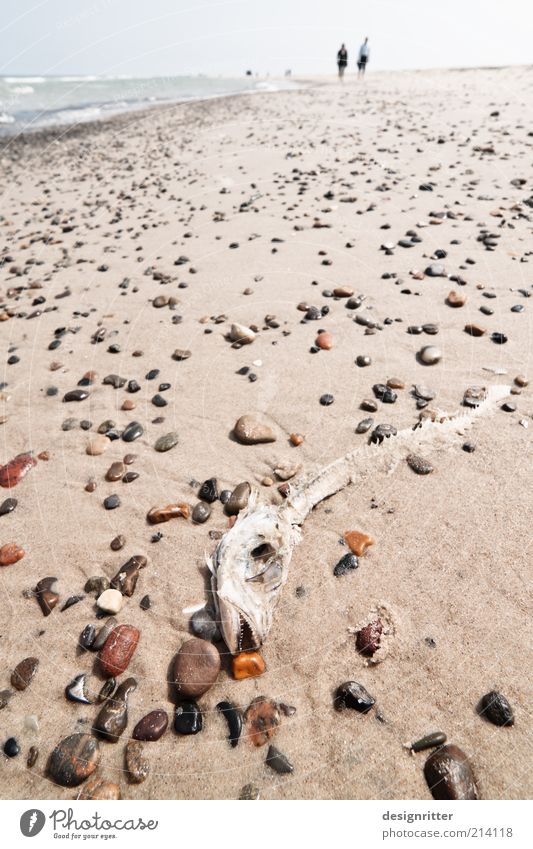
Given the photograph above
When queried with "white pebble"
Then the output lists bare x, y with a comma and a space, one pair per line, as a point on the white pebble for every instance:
111, 601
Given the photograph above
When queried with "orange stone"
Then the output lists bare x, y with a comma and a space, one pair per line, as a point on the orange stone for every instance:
262, 717
247, 664
10, 553
324, 341
128, 405
118, 650
296, 438
164, 514
358, 542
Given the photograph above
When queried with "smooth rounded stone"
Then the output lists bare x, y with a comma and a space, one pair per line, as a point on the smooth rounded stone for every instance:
358, 542
157, 515
368, 639
74, 759
152, 726
208, 491
111, 600
201, 512
11, 553
474, 396
495, 707
128, 405
69, 424
395, 383
238, 499
435, 270
353, 695
74, 599
456, 299
278, 761
112, 502
419, 464
99, 789
11, 747
449, 775
114, 380
128, 459
233, 717
247, 664
76, 692
346, 564
240, 333
106, 426
326, 400
498, 338
16, 469
97, 445
24, 673
414, 329
159, 401
253, 430
118, 650
324, 341
518, 308
430, 355
160, 301
126, 578
132, 432
33, 754
195, 668
520, 380
90, 486
486, 310
364, 425
424, 392
507, 407
249, 793
113, 716
203, 625
343, 291
369, 405
115, 471
129, 477
469, 447
188, 718
5, 698
475, 330
430, 329
47, 595
117, 542
181, 354
145, 602
106, 690
76, 395
136, 763
166, 442
97, 584
429, 741
384, 393
9, 504
262, 717
87, 637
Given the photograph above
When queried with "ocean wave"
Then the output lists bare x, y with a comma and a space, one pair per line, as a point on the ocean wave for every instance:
32, 80
6, 119
24, 89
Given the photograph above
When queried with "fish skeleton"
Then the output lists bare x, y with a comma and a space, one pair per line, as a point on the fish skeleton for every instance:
250, 563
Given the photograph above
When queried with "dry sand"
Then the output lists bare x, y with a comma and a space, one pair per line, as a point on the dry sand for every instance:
451, 560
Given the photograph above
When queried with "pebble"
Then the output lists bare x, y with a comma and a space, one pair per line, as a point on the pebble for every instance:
33, 754
474, 396
456, 299
435, 270
5, 698
240, 333
395, 383
74, 759
233, 717
11, 747
87, 637
384, 393
46, 594
498, 338
326, 400
209, 491
112, 601
133, 431
75, 691
204, 626
367, 640
469, 447
136, 763
9, 505
126, 578
188, 718
145, 603
238, 499
262, 717
355, 696
118, 542
419, 465
118, 650
201, 512
99, 789
358, 542
249, 793
430, 355
343, 292
166, 442
113, 716
369, 405
106, 690
96, 584
129, 477
10, 553
494, 707
346, 564
278, 761
76, 395
249, 664
520, 380
475, 330
296, 439
195, 668
97, 445
181, 354
16, 469
251, 430
151, 727
363, 361
157, 515
364, 425
429, 741
507, 407
449, 775
324, 341
128, 459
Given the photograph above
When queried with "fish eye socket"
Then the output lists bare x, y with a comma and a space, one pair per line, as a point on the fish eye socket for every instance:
263, 552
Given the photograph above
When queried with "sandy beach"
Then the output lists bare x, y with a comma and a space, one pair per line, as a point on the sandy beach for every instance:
241, 210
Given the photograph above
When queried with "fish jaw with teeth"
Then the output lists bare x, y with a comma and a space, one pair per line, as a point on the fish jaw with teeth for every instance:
249, 567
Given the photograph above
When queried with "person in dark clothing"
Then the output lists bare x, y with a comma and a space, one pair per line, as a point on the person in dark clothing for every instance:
364, 55
342, 60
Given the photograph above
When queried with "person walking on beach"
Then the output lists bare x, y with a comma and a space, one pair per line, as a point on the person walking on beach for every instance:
342, 60
364, 53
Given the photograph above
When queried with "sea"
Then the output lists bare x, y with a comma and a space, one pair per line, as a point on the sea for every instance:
32, 102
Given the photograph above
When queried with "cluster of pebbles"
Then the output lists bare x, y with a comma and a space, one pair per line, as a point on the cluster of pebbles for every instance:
47, 249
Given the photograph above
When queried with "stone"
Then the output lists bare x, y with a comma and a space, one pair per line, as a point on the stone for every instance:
204, 626
251, 430
75, 691
369, 405
358, 542
157, 515
113, 716
126, 578
498, 338
430, 355
362, 361
201, 512
128, 405
278, 761
145, 603
326, 400
520, 380
8, 506
353, 695
364, 425
106, 690
11, 747
456, 299
76, 395
367, 640
24, 673
381, 432
129, 477
98, 788
136, 763
262, 717
238, 499
188, 718
233, 718
429, 741
112, 502
118, 542
247, 664
33, 754
296, 439
118, 650
493, 706
474, 396
112, 601
345, 565
97, 445
343, 292
324, 341
475, 330
5, 698
151, 727
395, 383
16, 469
419, 465
384, 393
46, 594
249, 793
435, 270
449, 775
132, 432
159, 401
115, 471
128, 459
195, 668
74, 759
181, 354
166, 442
241, 334
96, 584
87, 637
209, 491
11, 553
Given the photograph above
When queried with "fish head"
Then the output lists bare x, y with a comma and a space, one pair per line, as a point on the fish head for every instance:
250, 566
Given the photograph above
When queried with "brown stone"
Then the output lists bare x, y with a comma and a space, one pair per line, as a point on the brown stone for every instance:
10, 553
46, 594
100, 789
128, 404
196, 667
136, 763
163, 514
343, 292
247, 664
118, 650
126, 578
475, 330
449, 775
113, 716
13, 472
24, 672
358, 542
262, 717
115, 471
456, 299
97, 445
324, 341
521, 380
251, 430
395, 383
152, 726
74, 759
296, 438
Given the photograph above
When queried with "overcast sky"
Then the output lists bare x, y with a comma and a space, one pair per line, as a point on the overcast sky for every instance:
168, 37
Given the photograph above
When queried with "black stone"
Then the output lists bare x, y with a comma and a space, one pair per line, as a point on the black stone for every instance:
495, 707
384, 393
326, 400
188, 718
346, 564
11, 748
8, 506
76, 395
87, 637
233, 717
278, 761
133, 431
355, 696
111, 502
208, 491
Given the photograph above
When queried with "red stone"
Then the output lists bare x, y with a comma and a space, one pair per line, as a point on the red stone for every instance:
16, 469
10, 553
368, 638
118, 650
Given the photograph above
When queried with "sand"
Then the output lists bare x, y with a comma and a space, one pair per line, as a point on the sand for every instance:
452, 550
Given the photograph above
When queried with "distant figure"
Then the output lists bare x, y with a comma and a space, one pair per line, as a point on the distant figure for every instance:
364, 54
342, 60
248, 73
